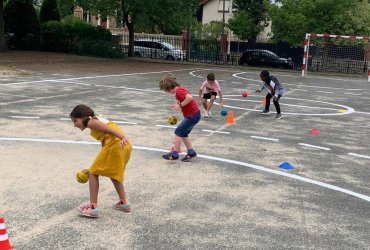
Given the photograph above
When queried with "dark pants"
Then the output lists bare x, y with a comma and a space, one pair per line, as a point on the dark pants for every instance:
276, 103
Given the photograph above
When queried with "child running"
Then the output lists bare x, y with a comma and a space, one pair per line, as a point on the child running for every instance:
275, 89
110, 162
186, 104
209, 89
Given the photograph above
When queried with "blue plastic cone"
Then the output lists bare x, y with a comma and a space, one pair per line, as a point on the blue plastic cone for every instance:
286, 165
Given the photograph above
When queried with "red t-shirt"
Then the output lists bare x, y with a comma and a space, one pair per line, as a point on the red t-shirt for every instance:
189, 109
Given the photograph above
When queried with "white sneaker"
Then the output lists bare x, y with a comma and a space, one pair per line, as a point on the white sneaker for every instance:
205, 114
209, 113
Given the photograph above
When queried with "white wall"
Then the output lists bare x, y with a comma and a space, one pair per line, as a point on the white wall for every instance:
211, 13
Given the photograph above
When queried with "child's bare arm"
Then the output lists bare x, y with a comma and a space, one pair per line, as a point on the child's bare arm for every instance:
100, 126
221, 100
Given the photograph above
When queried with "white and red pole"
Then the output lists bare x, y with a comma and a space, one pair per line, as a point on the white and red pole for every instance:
305, 53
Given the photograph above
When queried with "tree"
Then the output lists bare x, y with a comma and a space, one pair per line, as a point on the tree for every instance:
26, 30
249, 18
49, 11
3, 46
292, 19
167, 16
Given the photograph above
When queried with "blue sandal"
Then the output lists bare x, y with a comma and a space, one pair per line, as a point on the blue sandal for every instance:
189, 156
170, 156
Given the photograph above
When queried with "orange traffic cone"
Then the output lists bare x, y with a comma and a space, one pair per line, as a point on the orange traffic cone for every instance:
230, 118
4, 240
264, 101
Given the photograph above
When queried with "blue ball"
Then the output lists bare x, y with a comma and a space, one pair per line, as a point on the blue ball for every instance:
224, 112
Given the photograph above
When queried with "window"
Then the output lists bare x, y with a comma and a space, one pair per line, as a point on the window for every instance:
221, 5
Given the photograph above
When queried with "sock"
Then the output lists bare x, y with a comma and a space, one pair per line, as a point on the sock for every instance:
190, 151
93, 205
123, 201
175, 153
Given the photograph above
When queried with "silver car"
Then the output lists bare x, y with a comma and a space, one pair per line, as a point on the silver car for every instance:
157, 49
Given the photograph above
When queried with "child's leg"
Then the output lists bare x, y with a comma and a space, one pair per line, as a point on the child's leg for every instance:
177, 143
187, 143
277, 105
118, 185
268, 99
204, 103
210, 104
94, 188
123, 204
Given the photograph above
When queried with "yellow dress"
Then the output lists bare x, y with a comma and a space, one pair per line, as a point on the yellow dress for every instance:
112, 159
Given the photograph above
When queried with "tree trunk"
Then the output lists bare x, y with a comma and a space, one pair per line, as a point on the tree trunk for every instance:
130, 27
127, 20
3, 46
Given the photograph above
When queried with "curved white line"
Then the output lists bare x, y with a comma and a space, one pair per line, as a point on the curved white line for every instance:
349, 110
268, 170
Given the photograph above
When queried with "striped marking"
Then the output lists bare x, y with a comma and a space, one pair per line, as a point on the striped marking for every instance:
24, 117
122, 122
234, 162
165, 126
215, 131
4, 237
264, 138
361, 156
313, 146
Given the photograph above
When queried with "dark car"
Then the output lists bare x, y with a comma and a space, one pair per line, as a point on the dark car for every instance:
266, 58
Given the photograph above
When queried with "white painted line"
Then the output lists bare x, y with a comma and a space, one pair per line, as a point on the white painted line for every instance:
326, 92
166, 126
121, 122
356, 94
118, 122
252, 166
94, 77
361, 156
313, 146
215, 131
24, 117
366, 113
264, 138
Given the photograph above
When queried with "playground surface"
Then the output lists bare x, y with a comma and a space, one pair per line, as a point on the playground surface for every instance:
233, 195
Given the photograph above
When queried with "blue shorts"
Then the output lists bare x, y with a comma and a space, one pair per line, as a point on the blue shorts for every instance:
186, 125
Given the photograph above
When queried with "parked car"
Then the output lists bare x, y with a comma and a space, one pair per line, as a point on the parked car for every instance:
267, 58
157, 49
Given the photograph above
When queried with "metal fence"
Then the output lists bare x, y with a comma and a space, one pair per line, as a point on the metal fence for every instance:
203, 51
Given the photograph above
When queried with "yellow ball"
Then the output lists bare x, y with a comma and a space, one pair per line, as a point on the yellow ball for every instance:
82, 177
172, 120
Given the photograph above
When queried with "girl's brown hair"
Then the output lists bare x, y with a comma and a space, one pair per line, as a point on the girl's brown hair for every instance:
82, 111
168, 83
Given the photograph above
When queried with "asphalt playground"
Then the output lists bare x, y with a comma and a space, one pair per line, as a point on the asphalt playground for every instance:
233, 195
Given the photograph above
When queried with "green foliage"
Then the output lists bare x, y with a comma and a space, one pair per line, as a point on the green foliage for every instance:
76, 36
249, 18
49, 11
208, 31
66, 7
292, 19
20, 19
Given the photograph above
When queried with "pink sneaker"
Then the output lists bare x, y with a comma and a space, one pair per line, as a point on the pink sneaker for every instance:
125, 207
88, 211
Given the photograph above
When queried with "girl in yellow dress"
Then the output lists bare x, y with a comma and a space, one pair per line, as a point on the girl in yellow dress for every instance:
110, 162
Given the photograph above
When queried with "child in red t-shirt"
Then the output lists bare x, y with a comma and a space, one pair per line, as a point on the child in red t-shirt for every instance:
186, 104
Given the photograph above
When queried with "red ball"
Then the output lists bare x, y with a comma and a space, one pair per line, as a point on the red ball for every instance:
244, 93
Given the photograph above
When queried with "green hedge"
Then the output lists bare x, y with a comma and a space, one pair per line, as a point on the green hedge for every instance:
75, 36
